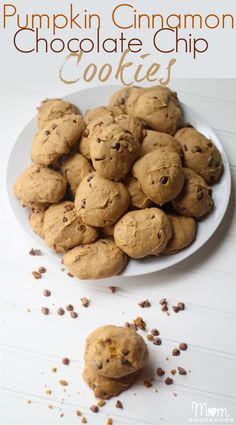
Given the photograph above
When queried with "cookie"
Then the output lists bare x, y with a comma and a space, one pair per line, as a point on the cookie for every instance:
95, 261
96, 113
183, 233
106, 388
52, 109
118, 101
200, 154
114, 351
143, 232
39, 186
36, 219
158, 108
160, 175
195, 200
75, 168
64, 230
155, 139
138, 199
91, 131
113, 151
101, 202
56, 139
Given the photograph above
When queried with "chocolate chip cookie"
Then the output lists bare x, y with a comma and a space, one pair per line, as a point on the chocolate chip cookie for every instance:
52, 109
183, 233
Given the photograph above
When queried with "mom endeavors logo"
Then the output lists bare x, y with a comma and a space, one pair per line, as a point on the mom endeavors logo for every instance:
203, 414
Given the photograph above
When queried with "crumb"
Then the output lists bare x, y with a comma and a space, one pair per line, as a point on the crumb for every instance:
42, 270
84, 420
45, 310
46, 293
50, 406
101, 403
73, 314
150, 337
173, 371
144, 304
29, 401
85, 301
36, 274
109, 421
147, 383
49, 392
63, 382
69, 307
112, 289
139, 322
65, 361
78, 413
54, 369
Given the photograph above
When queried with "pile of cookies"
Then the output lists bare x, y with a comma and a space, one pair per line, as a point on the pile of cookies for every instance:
126, 180
113, 358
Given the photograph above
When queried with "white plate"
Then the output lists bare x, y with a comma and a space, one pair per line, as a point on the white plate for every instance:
20, 159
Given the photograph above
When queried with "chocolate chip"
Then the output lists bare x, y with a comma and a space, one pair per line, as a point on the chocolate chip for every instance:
122, 100
42, 269
130, 325
164, 307
86, 133
163, 301
70, 274
119, 405
90, 178
182, 371
199, 194
73, 314
35, 252
112, 289
175, 352
175, 308
98, 366
69, 207
99, 159
144, 304
185, 148
125, 362
169, 381
45, 310
81, 228
116, 146
155, 332
210, 192
210, 161
160, 371
94, 408
181, 305
69, 307
83, 203
46, 293
159, 234
157, 341
164, 179
60, 311
47, 132
183, 346
210, 144
125, 352
65, 219
139, 322
196, 149
65, 361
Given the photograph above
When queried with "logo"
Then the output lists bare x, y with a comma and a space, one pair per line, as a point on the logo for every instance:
204, 414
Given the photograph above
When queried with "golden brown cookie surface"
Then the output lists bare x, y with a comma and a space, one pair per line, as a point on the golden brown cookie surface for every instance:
75, 168
183, 233
155, 139
51, 109
36, 219
138, 199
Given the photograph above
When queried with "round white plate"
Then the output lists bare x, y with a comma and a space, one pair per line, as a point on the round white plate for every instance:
86, 99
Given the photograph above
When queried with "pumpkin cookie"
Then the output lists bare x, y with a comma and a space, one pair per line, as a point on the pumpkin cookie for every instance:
200, 154
142, 233
95, 261
195, 200
101, 202
52, 109
183, 233
96, 113
114, 351
154, 139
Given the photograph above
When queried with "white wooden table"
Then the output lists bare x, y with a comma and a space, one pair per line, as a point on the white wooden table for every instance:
32, 344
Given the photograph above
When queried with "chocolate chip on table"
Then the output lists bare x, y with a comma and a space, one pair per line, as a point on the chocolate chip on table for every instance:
73, 314
112, 289
155, 332
163, 301
182, 371
45, 310
160, 371
36, 274
175, 308
183, 346
85, 302
119, 405
46, 293
157, 341
144, 304
169, 381
60, 311
164, 179
42, 269
35, 252
66, 361
94, 408
69, 307
175, 352
130, 325
181, 305
164, 307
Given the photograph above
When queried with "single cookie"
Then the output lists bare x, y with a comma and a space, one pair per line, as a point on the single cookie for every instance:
195, 200
75, 168
158, 107
101, 202
106, 388
36, 219
138, 199
160, 175
52, 109
114, 351
39, 186
56, 139
96, 113
64, 230
142, 233
98, 260
114, 151
154, 139
183, 233
200, 154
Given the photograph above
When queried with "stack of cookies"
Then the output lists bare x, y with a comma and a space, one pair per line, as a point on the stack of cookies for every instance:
113, 358
126, 180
